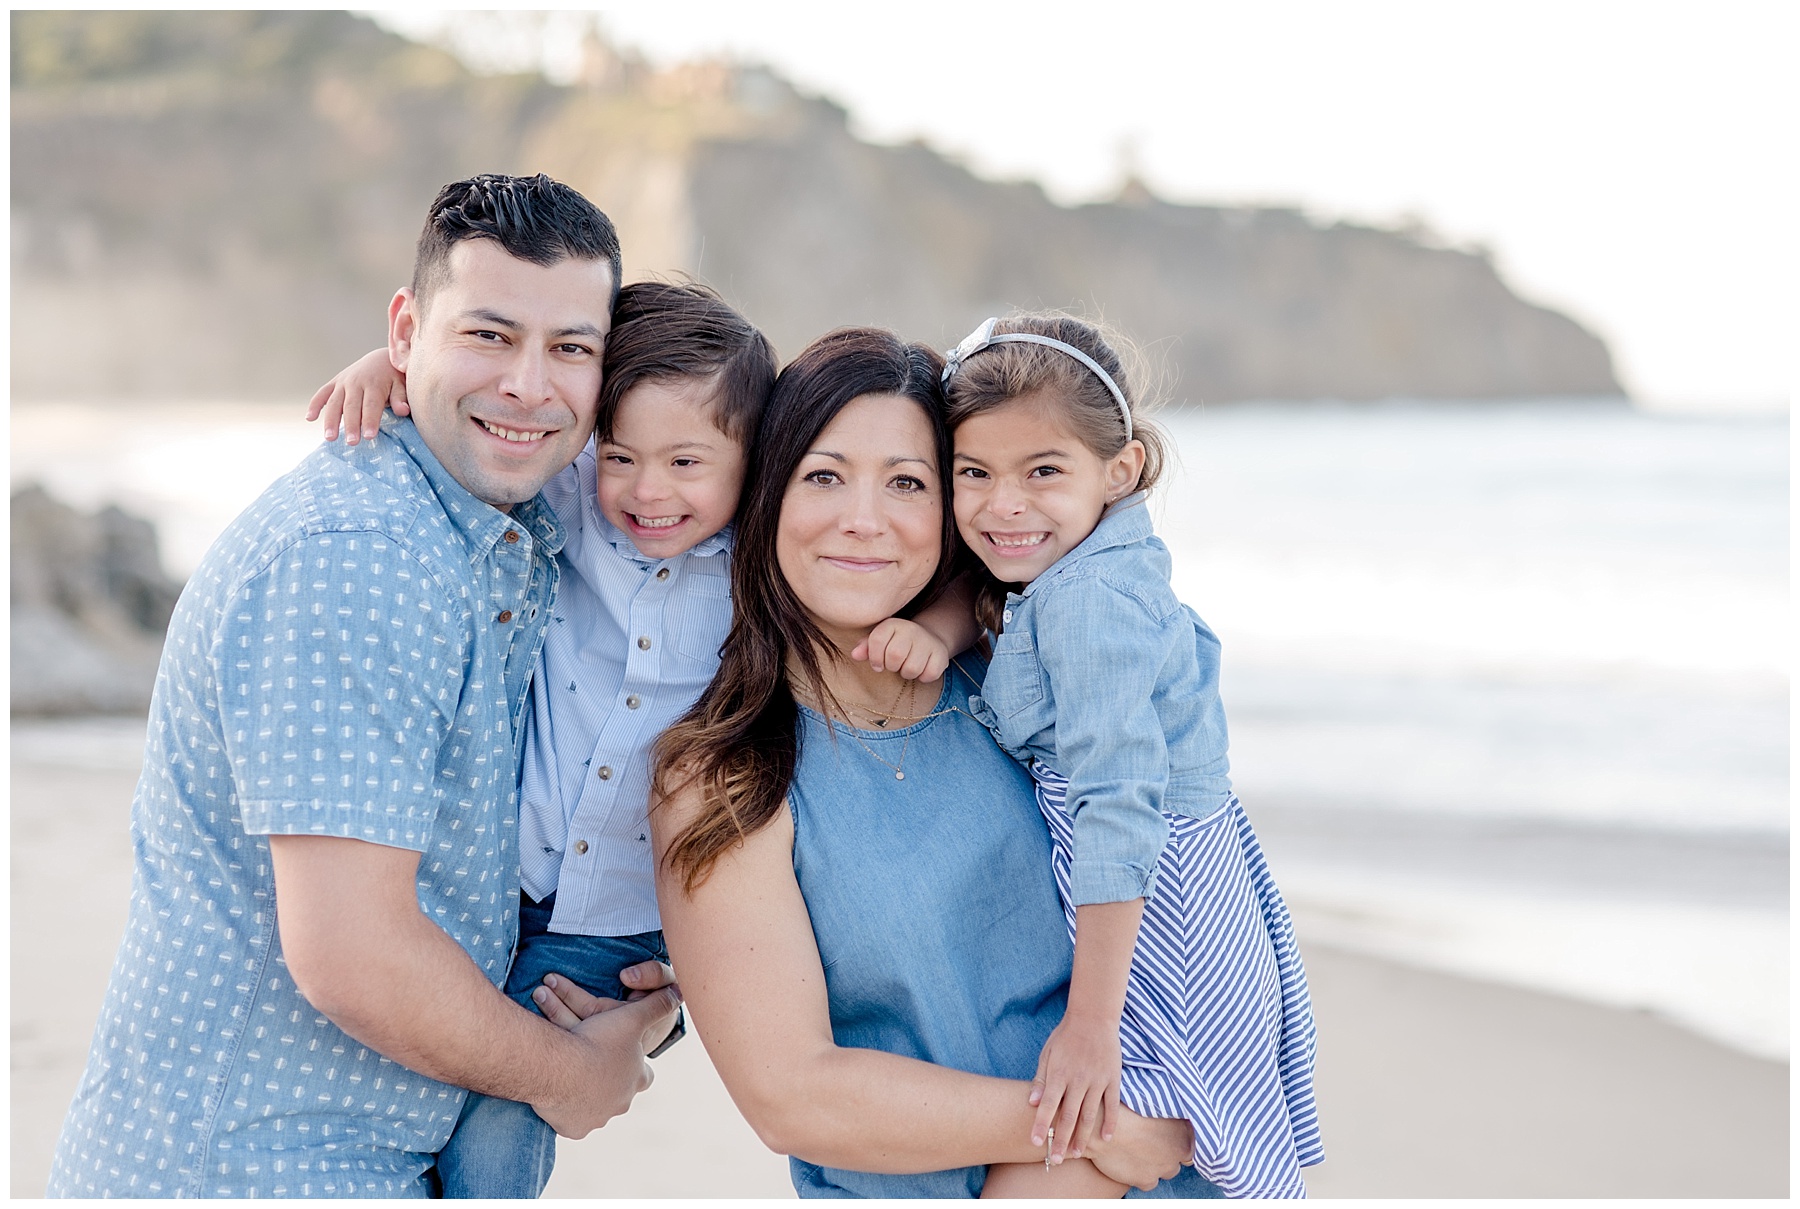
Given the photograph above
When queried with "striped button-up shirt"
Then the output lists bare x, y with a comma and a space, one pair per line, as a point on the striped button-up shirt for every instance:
631, 644
350, 659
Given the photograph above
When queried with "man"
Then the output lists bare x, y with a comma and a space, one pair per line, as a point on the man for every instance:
325, 891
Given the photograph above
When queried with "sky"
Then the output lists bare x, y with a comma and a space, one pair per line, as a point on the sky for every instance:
1630, 164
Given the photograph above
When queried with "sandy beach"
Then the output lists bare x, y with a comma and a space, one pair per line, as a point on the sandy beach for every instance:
1429, 1085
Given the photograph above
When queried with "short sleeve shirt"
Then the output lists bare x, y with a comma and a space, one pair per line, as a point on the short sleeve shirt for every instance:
350, 659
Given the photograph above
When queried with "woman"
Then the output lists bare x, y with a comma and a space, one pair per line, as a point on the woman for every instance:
855, 882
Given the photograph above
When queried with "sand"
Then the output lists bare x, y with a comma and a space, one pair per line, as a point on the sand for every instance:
1429, 1085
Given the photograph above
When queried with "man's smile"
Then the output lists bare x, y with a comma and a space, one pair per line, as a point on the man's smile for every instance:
514, 434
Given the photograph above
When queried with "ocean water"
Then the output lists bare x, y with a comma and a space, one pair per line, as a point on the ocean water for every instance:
1508, 683
1508, 687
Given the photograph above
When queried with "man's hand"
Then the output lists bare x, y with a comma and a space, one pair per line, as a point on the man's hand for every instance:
567, 1005
642, 978
905, 647
356, 943
1143, 1151
615, 1037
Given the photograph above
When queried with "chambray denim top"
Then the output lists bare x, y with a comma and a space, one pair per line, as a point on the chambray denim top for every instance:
1101, 673
350, 659
935, 913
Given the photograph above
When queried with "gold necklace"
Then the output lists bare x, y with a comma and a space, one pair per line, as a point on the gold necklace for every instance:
905, 742
908, 689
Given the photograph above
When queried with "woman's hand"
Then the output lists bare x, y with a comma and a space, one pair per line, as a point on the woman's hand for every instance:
1143, 1151
356, 397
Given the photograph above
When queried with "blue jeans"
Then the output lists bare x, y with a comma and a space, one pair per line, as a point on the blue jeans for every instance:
501, 1148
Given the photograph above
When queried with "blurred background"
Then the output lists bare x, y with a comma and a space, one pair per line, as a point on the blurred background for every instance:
1474, 327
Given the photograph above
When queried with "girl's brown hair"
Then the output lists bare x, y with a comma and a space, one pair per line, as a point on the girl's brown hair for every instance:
739, 743
1001, 373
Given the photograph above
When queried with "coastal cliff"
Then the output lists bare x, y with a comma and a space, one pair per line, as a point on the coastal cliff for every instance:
220, 204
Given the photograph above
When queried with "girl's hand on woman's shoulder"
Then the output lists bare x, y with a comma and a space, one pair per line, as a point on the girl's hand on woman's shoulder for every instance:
1143, 1151
356, 397
898, 645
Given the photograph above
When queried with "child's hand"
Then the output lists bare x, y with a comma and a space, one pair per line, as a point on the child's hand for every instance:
905, 647
1076, 1089
356, 397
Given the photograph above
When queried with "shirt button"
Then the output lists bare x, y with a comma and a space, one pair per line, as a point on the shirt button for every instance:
644, 643
662, 573
512, 535
580, 847
632, 701
605, 773
505, 616
1006, 616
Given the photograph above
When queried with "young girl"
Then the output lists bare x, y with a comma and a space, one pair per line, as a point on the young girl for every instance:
1188, 998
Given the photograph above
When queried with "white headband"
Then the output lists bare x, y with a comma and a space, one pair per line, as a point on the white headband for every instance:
984, 337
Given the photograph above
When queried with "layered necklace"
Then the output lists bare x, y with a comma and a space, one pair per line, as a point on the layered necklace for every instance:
882, 719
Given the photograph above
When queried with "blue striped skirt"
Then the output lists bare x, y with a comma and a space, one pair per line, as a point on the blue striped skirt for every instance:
1218, 1024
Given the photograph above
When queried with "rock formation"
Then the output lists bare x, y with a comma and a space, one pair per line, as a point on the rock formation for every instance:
90, 602
221, 203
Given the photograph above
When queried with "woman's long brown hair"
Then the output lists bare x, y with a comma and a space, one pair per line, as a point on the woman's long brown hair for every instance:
739, 744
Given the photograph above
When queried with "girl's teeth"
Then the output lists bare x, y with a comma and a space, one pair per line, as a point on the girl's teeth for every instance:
508, 434
1013, 542
656, 522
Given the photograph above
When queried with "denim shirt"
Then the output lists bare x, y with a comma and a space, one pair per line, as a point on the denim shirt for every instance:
934, 910
349, 659
1103, 675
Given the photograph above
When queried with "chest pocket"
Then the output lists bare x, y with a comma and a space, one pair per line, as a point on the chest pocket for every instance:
1015, 678
699, 626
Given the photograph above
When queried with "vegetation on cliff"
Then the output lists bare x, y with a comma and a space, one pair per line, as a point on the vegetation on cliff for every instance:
219, 204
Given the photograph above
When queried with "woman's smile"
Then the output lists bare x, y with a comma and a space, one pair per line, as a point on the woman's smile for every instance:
862, 518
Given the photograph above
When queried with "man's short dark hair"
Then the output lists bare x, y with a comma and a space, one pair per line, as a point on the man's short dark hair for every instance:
685, 330
532, 217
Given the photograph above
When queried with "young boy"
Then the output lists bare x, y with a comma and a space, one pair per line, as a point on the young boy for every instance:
642, 605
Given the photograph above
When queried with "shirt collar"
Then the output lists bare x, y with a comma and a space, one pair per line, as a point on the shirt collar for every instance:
1126, 521
481, 524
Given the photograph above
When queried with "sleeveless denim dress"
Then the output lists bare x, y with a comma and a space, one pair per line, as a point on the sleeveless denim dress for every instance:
934, 908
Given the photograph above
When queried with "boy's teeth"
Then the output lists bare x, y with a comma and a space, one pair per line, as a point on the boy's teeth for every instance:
656, 522
509, 434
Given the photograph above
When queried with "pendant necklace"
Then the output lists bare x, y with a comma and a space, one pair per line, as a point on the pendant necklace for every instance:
908, 689
898, 774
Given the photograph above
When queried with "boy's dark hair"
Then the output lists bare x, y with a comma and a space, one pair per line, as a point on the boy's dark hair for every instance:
685, 330
532, 217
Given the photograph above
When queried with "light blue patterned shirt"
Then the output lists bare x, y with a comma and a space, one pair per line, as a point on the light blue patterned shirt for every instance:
632, 642
350, 659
